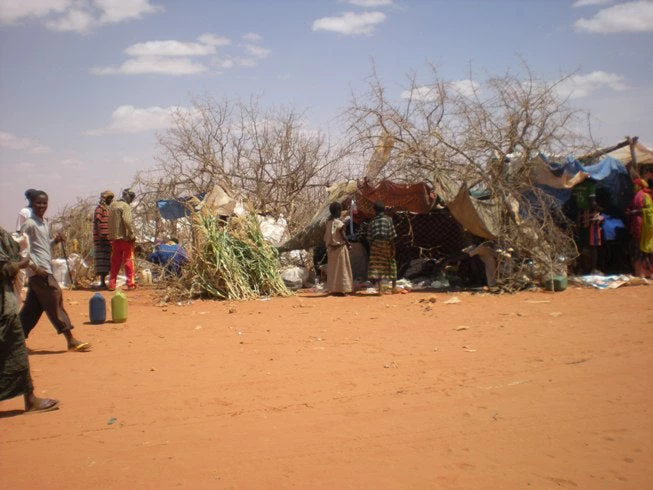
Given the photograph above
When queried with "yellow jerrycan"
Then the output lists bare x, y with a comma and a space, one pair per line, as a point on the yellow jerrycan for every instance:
119, 307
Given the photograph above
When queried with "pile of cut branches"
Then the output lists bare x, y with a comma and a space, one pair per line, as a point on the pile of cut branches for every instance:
232, 261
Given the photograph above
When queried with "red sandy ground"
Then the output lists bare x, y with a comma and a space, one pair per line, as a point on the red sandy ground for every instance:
540, 390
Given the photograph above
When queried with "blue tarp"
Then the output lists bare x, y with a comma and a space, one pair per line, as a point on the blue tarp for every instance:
610, 175
176, 208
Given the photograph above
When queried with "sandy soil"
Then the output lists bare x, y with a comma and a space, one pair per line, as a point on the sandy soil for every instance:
533, 390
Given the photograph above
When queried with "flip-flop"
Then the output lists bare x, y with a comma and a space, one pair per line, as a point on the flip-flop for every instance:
83, 347
49, 408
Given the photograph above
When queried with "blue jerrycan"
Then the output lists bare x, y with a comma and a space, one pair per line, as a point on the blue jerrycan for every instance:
97, 309
119, 307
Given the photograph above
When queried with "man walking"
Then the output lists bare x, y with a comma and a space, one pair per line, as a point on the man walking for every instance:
43, 291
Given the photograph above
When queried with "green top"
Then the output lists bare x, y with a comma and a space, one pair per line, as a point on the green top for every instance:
584, 193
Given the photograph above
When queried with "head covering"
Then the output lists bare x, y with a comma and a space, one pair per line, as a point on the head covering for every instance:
128, 193
641, 183
106, 194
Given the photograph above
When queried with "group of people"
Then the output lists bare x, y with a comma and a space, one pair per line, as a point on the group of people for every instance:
114, 239
382, 264
598, 226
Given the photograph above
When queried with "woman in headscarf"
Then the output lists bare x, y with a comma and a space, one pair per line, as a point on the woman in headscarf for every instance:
339, 276
101, 243
640, 213
15, 379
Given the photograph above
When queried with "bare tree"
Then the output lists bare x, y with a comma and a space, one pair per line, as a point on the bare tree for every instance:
486, 136
266, 155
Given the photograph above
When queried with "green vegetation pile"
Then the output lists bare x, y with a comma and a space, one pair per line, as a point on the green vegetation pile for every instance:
232, 261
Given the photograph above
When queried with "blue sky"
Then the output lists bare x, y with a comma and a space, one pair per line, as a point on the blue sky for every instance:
85, 85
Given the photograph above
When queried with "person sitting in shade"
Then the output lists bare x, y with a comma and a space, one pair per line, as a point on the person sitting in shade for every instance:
170, 255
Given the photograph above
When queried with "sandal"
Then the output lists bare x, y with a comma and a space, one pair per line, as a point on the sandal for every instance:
81, 347
45, 405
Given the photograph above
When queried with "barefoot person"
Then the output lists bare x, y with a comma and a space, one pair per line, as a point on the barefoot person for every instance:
381, 236
43, 291
101, 243
339, 276
15, 379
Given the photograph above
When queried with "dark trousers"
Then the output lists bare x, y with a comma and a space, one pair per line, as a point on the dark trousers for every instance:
44, 294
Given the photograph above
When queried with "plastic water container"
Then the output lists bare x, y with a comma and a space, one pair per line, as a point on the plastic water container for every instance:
119, 307
146, 276
97, 309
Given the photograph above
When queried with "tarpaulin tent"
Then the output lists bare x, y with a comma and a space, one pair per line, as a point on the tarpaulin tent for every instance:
422, 228
609, 173
218, 201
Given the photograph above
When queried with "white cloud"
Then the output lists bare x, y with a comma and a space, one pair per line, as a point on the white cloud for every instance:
464, 87
423, 92
172, 57
586, 3
130, 119
350, 23
74, 20
75, 15
169, 48
578, 86
214, 40
13, 10
626, 17
12, 142
252, 37
258, 51
429, 93
223, 64
369, 3
119, 10
154, 65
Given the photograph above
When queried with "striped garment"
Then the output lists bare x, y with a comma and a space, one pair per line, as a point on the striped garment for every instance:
101, 243
101, 223
381, 234
382, 264
381, 228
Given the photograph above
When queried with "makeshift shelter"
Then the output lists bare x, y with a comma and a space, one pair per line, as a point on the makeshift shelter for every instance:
424, 229
218, 201
643, 155
610, 174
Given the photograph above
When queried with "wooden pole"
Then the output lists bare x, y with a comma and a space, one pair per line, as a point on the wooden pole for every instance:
603, 151
633, 169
